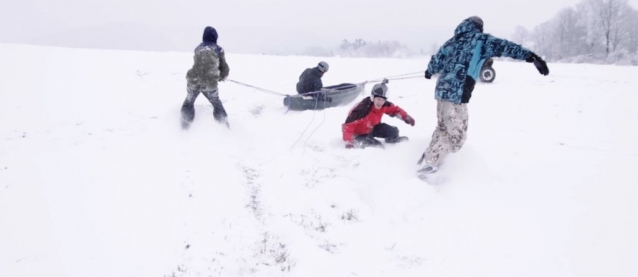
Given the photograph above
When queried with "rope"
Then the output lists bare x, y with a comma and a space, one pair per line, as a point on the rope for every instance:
395, 77
404, 78
313, 119
258, 88
316, 128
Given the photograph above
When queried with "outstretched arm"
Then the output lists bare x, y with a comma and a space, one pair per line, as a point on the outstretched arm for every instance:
394, 110
496, 47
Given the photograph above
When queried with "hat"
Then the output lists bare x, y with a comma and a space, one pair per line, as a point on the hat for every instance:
477, 21
380, 90
323, 66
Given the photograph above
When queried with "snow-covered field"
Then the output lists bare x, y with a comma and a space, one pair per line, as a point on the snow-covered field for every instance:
98, 179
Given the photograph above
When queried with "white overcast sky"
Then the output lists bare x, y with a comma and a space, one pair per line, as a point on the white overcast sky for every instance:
258, 26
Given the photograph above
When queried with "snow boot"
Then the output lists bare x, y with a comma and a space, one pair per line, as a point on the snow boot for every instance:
396, 140
428, 170
188, 114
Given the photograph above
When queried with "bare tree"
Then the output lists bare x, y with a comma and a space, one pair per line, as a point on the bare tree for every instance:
630, 24
361, 48
593, 43
591, 31
608, 16
569, 33
521, 35
542, 39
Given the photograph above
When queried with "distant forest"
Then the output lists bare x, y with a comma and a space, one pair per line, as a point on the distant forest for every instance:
593, 31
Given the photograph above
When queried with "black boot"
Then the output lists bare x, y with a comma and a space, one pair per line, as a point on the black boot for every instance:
188, 114
368, 141
396, 139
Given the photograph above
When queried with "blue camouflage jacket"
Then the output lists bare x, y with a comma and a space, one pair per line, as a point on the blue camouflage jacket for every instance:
460, 59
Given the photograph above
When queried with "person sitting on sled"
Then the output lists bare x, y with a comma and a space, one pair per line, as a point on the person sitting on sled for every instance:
364, 120
310, 79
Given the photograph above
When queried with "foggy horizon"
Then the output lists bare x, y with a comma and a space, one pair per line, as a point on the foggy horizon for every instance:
273, 27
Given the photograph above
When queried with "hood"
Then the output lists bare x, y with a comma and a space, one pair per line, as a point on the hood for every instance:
467, 26
210, 35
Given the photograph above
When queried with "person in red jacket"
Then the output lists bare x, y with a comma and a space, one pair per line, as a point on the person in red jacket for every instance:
364, 120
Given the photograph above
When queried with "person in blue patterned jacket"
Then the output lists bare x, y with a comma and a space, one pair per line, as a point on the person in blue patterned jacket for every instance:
458, 63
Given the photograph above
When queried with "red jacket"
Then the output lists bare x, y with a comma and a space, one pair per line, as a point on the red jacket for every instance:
364, 116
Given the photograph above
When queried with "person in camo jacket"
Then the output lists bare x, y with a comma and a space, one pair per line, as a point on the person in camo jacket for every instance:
458, 63
209, 67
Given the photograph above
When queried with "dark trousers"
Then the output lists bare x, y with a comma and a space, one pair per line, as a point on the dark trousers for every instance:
188, 109
381, 130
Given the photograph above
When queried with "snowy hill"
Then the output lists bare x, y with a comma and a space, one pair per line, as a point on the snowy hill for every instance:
98, 179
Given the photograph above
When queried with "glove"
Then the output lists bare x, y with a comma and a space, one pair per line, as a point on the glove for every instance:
428, 75
533, 57
349, 145
409, 120
540, 64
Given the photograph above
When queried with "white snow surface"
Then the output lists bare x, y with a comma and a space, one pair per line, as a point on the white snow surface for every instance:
97, 178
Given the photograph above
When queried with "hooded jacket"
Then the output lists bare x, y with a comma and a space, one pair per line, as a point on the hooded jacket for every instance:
310, 81
364, 116
209, 63
460, 59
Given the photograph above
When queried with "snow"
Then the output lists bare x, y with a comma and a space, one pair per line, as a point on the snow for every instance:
98, 179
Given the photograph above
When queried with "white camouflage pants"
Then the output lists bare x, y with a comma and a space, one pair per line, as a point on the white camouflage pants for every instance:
450, 133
